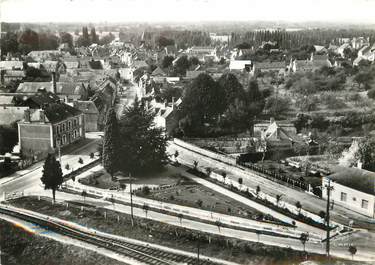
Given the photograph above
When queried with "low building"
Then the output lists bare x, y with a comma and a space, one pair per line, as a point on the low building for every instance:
269, 66
166, 116
54, 126
12, 65
353, 188
90, 112
240, 65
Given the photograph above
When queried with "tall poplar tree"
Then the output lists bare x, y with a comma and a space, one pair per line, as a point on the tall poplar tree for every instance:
110, 153
52, 174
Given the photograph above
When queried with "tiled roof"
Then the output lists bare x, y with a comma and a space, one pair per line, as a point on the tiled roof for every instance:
11, 65
270, 65
64, 88
6, 100
56, 112
355, 178
87, 107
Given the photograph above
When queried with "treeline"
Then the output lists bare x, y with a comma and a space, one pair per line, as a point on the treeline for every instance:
22, 42
289, 39
214, 108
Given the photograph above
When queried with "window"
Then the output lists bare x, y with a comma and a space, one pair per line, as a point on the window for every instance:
343, 196
69, 125
64, 139
75, 134
364, 204
63, 127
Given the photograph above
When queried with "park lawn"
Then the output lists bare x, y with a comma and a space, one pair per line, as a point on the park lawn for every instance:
101, 179
189, 193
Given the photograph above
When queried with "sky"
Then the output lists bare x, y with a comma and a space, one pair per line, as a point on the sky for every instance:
350, 11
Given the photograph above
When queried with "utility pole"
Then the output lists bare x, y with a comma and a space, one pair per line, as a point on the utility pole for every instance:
329, 188
198, 249
131, 199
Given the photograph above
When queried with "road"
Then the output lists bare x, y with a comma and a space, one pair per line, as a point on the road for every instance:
363, 254
31, 180
251, 179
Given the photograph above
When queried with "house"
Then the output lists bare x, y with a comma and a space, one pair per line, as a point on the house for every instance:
7, 76
193, 74
316, 62
365, 53
52, 55
220, 38
269, 128
126, 73
268, 66
53, 126
353, 188
158, 72
12, 65
11, 114
71, 63
53, 67
166, 116
139, 64
90, 112
245, 53
342, 48
6, 100
320, 49
67, 91
240, 65
359, 42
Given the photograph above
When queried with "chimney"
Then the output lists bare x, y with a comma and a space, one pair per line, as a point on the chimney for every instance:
26, 115
53, 75
42, 116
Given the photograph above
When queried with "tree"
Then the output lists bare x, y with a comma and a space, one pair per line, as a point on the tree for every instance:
84, 195
52, 176
299, 207
8, 138
143, 146
363, 78
224, 175
352, 250
371, 93
366, 153
277, 106
232, 87
254, 98
257, 191
203, 100
66, 37
163, 41
28, 41
194, 61
111, 153
107, 39
181, 65
304, 237
48, 41
278, 199
93, 37
9, 43
84, 40
167, 61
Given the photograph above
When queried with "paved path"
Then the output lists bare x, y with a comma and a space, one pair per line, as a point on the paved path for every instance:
313, 247
251, 179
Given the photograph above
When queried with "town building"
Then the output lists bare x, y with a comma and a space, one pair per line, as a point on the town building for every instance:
240, 65
90, 112
352, 188
53, 126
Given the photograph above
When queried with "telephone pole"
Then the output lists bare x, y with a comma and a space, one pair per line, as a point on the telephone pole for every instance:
131, 199
329, 188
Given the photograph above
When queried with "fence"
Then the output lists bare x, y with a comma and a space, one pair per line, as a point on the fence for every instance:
213, 155
282, 179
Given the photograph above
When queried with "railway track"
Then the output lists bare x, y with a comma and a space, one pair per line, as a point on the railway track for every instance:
141, 253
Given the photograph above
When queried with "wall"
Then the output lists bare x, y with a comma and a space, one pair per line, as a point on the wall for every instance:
227, 145
35, 139
11, 114
350, 203
205, 152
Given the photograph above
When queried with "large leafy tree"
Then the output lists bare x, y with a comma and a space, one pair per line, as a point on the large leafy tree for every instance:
366, 153
9, 43
203, 100
143, 147
232, 87
28, 41
110, 153
255, 98
66, 37
52, 174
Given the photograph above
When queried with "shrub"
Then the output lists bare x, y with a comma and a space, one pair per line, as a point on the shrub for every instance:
80, 160
371, 93
199, 202
146, 190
